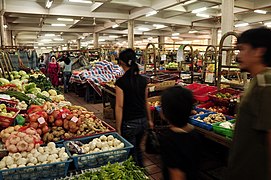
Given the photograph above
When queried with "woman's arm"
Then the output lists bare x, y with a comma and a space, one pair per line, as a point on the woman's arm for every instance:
176, 174
148, 109
119, 108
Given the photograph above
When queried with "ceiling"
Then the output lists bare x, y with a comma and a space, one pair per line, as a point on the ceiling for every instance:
30, 21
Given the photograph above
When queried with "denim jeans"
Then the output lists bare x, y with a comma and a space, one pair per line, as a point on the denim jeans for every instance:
133, 131
66, 76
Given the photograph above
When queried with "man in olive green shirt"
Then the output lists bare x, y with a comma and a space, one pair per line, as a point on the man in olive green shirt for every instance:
250, 153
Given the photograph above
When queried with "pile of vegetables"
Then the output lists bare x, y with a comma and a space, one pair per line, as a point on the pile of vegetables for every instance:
40, 155
8, 131
41, 82
25, 139
103, 143
21, 75
213, 118
227, 125
5, 112
125, 170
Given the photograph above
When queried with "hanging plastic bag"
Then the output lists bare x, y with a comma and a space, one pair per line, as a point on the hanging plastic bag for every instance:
152, 143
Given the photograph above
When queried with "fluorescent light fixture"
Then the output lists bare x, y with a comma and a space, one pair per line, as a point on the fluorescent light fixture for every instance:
174, 37
49, 47
195, 11
260, 11
159, 26
58, 25
124, 35
5, 26
267, 23
43, 48
81, 1
46, 40
65, 19
49, 35
49, 3
101, 40
58, 39
192, 31
175, 34
241, 25
151, 13
115, 26
203, 15
150, 38
189, 2
143, 29
113, 36
40, 44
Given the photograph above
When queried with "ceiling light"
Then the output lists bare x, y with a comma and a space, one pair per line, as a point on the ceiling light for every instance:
241, 25
115, 26
189, 2
174, 37
143, 29
46, 40
203, 15
40, 44
260, 11
192, 31
175, 34
49, 35
81, 1
43, 48
58, 25
267, 23
5, 26
124, 35
58, 39
195, 11
65, 19
49, 47
151, 13
113, 36
49, 3
159, 26
101, 40
150, 38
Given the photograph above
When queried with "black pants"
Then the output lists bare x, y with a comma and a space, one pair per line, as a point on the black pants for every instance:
133, 131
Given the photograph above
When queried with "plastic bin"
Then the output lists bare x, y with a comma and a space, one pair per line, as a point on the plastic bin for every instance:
195, 86
209, 104
93, 160
43, 171
223, 131
8, 103
198, 110
201, 94
224, 101
7, 121
209, 127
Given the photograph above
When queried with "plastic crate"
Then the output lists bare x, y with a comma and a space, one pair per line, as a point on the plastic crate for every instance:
223, 131
8, 103
110, 129
195, 86
7, 121
212, 104
43, 171
198, 110
204, 125
93, 160
224, 101
201, 94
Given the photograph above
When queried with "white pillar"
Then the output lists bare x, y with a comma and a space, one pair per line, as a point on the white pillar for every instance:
78, 43
2, 22
214, 36
68, 46
161, 41
96, 40
227, 22
131, 33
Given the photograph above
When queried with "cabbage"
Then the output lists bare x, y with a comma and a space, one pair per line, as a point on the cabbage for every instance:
45, 93
21, 72
52, 92
15, 73
25, 77
3, 81
29, 86
35, 91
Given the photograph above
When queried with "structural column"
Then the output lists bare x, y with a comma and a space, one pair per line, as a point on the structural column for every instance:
60, 48
131, 33
161, 41
227, 22
96, 40
68, 46
78, 43
2, 23
214, 36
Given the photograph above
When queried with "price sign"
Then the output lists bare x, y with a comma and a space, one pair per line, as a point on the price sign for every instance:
41, 120
64, 115
74, 119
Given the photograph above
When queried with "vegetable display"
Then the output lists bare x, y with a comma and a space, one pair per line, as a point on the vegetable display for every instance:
125, 170
41, 155
213, 118
227, 125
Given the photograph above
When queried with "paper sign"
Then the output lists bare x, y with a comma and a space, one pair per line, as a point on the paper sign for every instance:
209, 77
64, 115
74, 119
41, 120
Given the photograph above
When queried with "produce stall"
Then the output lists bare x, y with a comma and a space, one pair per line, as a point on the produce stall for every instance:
43, 136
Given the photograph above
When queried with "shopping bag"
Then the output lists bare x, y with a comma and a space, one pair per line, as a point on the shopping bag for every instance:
152, 143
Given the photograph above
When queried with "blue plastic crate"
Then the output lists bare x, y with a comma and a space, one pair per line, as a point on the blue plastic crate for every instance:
204, 125
93, 160
43, 171
200, 110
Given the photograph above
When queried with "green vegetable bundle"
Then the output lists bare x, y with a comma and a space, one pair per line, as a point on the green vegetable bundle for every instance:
41, 82
125, 171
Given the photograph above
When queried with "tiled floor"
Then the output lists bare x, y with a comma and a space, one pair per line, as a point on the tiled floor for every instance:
213, 155
152, 162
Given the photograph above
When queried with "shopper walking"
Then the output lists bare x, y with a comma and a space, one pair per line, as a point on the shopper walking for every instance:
132, 111
179, 143
67, 71
250, 154
53, 70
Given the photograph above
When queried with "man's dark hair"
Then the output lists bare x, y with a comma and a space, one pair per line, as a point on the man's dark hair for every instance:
258, 38
177, 103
